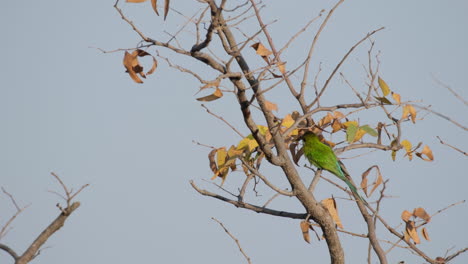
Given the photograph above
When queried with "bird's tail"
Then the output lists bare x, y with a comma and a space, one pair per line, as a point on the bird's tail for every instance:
354, 190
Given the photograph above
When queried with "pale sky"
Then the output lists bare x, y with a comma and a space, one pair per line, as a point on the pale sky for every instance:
68, 108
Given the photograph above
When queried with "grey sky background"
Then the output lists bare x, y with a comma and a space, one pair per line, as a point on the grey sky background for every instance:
68, 108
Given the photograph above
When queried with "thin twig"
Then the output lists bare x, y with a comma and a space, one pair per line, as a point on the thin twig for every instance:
224, 120
455, 148
233, 238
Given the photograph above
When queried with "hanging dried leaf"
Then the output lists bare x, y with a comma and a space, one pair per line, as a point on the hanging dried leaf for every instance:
421, 213
364, 182
136, 1
211, 158
427, 152
330, 204
134, 67
406, 215
326, 120
216, 95
383, 86
407, 145
166, 8
271, 106
377, 181
305, 230
261, 50
336, 125
412, 232
154, 3
359, 134
425, 234
338, 115
396, 97
393, 155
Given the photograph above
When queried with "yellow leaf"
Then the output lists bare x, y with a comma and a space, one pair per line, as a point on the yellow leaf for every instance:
330, 204
406, 215
405, 112
216, 95
396, 97
426, 151
384, 87
425, 234
349, 123
407, 145
305, 230
359, 134
233, 152
412, 112
288, 121
221, 155
261, 50
393, 155
271, 106
421, 213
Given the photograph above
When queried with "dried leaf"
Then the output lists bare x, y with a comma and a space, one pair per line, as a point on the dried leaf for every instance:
154, 3
211, 158
221, 155
153, 68
136, 1
282, 67
359, 134
348, 123
305, 230
425, 234
394, 155
407, 145
383, 86
132, 65
338, 115
375, 184
166, 8
216, 95
421, 213
426, 151
330, 204
271, 106
406, 215
261, 50
396, 97
412, 232
336, 125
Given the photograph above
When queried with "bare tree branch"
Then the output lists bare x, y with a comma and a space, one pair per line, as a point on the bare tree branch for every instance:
233, 238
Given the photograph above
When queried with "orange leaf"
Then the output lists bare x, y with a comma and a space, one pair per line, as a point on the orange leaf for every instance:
154, 3
406, 215
412, 112
426, 151
305, 230
271, 106
136, 1
330, 204
216, 95
326, 119
134, 67
338, 115
336, 125
282, 67
359, 134
211, 84
153, 68
425, 234
421, 213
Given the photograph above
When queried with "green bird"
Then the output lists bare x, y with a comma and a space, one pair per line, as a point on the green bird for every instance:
323, 157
